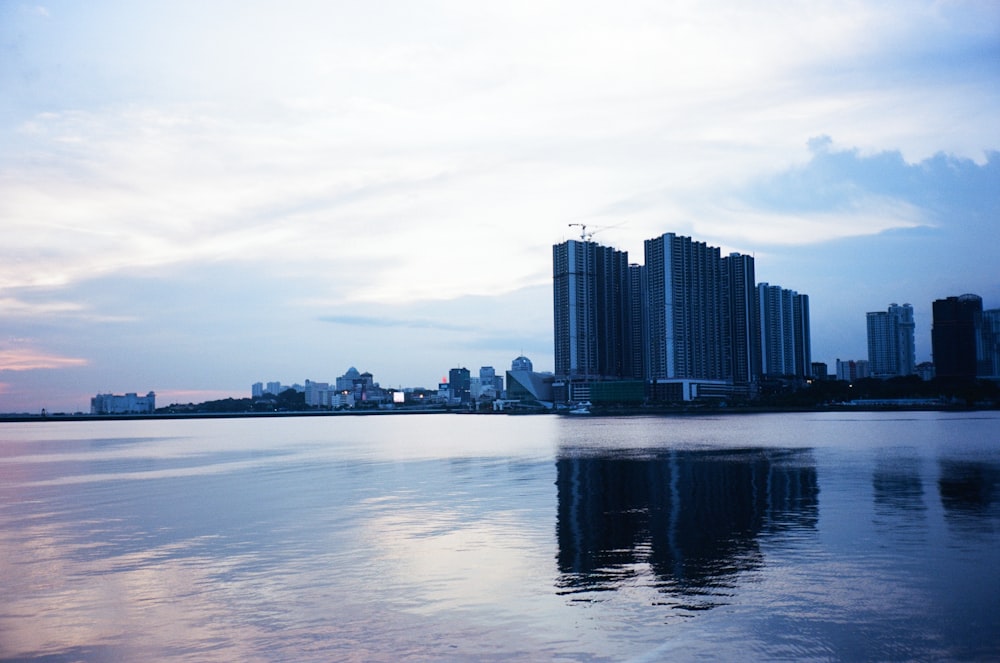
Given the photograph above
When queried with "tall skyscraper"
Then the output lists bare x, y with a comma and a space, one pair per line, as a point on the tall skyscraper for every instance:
638, 284
685, 309
891, 347
988, 352
783, 320
802, 335
740, 344
773, 321
591, 310
953, 336
689, 321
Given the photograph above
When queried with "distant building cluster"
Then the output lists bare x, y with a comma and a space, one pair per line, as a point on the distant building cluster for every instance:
129, 403
461, 388
356, 389
689, 323
851, 370
346, 391
965, 343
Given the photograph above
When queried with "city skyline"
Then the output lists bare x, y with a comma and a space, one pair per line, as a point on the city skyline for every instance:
193, 196
685, 320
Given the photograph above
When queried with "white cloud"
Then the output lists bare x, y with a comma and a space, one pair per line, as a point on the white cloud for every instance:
28, 359
742, 226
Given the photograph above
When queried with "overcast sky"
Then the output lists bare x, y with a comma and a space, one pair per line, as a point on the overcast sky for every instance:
195, 196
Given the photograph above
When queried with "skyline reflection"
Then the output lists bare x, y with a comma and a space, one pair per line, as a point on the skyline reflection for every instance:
694, 517
968, 492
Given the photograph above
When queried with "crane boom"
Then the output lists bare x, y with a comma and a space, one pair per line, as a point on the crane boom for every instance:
586, 236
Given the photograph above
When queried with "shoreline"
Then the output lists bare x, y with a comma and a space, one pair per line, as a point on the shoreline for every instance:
595, 412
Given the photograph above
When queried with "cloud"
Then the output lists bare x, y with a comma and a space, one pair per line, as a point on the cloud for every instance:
843, 193
14, 307
39, 305
836, 179
25, 359
931, 231
390, 322
746, 226
396, 148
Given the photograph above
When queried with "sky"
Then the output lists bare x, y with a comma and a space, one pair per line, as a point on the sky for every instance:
198, 196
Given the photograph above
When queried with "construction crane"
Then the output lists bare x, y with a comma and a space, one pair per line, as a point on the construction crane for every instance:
586, 236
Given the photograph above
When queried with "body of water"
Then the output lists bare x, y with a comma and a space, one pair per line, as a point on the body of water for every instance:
843, 536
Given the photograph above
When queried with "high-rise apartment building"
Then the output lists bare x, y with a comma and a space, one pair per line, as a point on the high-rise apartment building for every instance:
638, 359
802, 335
953, 336
687, 315
783, 320
740, 343
685, 309
591, 310
988, 350
891, 347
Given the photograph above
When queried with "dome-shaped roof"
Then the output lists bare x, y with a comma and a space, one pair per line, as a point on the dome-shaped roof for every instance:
521, 363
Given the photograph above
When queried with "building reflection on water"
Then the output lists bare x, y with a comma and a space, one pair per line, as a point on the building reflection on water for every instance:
898, 487
691, 517
969, 492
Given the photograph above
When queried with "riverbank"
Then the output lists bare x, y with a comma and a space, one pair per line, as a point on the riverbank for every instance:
595, 411
213, 415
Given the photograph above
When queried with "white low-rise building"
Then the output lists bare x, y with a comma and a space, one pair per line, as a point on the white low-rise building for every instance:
130, 403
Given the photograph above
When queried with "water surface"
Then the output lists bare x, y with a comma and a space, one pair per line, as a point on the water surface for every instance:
791, 536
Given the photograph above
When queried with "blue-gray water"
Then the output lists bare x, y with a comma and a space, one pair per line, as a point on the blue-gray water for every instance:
786, 536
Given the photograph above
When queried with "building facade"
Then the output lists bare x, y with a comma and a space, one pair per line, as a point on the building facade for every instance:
954, 336
687, 317
130, 403
891, 346
591, 310
803, 336
852, 370
988, 350
685, 309
488, 385
741, 341
783, 321
524, 384
460, 383
638, 285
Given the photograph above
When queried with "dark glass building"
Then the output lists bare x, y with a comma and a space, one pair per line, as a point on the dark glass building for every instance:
954, 336
460, 380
